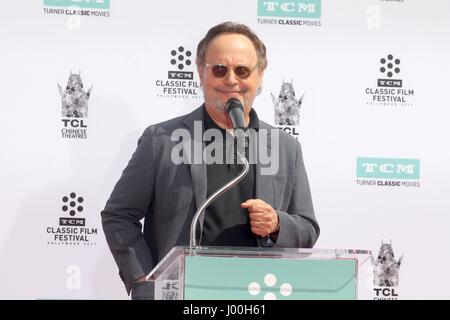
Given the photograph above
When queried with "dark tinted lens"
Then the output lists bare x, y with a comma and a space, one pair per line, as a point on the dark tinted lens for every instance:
219, 70
242, 71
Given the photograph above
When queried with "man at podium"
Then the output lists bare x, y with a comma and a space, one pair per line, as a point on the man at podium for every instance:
268, 207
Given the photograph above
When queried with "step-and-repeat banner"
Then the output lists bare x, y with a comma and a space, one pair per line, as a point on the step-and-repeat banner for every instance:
360, 83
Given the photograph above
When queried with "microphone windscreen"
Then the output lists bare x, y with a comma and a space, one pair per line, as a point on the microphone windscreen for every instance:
235, 110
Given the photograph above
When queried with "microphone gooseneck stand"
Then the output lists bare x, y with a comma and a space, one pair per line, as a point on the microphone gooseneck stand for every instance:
234, 109
193, 241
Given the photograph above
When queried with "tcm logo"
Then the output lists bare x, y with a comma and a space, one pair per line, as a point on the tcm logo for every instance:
72, 204
387, 168
390, 66
290, 8
181, 58
96, 4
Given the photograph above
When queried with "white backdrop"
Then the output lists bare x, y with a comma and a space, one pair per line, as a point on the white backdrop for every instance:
123, 49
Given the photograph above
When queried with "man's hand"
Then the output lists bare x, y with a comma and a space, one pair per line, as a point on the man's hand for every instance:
263, 218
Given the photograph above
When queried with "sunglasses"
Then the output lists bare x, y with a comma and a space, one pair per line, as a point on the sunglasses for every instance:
220, 70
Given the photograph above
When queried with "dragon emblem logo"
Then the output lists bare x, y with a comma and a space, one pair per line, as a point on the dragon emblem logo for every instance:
74, 98
386, 267
287, 107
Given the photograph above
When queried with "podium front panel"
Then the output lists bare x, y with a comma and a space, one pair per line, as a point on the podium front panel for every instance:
224, 278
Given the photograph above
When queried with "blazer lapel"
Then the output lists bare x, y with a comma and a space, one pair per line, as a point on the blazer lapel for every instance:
198, 173
194, 124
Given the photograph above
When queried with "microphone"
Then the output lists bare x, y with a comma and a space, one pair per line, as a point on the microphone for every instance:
235, 110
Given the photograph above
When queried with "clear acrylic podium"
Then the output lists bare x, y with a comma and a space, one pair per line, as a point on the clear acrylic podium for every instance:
240, 273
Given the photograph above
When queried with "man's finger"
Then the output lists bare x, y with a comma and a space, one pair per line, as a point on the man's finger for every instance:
248, 203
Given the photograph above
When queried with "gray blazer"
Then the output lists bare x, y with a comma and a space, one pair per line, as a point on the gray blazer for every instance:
167, 196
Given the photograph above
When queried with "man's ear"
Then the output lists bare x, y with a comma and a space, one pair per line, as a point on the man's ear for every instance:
260, 75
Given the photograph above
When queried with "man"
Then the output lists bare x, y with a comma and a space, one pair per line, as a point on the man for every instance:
262, 210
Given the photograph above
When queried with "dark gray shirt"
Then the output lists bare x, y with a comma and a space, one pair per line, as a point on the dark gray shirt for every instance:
226, 223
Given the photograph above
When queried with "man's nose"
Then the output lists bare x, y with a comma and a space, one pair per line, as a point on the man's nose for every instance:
230, 78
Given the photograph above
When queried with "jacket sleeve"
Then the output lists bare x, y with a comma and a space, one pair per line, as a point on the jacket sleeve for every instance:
298, 226
128, 204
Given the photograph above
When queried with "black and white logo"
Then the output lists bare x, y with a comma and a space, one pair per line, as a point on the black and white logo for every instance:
390, 90
180, 81
72, 228
386, 273
287, 109
74, 108
181, 59
72, 205
389, 67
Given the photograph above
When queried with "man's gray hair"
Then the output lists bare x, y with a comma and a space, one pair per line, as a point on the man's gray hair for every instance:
236, 28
